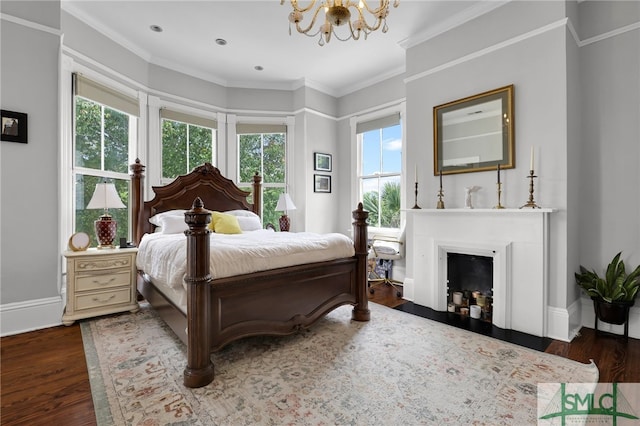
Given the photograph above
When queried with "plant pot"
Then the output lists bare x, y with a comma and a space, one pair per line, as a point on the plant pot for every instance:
613, 313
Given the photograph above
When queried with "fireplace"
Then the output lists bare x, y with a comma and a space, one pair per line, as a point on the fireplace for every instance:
515, 241
470, 285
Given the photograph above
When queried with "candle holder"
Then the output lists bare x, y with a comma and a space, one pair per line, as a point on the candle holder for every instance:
416, 206
531, 203
440, 204
499, 205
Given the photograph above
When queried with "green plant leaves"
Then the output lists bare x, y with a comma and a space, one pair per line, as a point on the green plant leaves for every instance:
616, 285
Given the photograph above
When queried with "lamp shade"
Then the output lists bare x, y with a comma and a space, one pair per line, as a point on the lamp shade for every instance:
285, 203
105, 196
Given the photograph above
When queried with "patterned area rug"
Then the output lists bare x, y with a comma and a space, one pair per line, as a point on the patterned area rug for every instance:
396, 369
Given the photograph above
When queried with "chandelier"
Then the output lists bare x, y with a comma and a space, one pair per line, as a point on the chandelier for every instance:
337, 13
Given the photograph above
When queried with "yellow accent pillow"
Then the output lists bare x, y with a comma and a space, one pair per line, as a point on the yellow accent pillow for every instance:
223, 223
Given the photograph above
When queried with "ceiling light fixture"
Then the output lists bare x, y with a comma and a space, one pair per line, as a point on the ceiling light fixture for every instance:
156, 28
337, 13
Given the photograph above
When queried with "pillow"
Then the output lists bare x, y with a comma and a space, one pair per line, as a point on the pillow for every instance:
242, 213
248, 224
173, 224
223, 223
155, 219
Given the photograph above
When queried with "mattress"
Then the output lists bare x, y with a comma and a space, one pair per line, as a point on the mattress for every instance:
163, 256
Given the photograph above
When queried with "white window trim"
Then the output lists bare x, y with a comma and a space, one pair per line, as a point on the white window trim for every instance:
356, 154
232, 136
154, 176
66, 102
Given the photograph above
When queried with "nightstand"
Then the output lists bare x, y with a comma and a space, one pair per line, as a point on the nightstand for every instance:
100, 282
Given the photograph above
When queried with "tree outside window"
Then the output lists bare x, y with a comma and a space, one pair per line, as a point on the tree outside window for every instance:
102, 138
380, 174
185, 146
264, 153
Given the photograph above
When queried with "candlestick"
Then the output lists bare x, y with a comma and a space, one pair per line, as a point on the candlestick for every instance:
531, 163
531, 203
440, 204
415, 205
499, 205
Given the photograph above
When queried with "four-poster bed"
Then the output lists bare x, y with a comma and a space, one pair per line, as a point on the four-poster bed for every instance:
271, 302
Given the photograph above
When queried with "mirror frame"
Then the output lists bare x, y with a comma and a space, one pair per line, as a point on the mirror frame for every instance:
506, 96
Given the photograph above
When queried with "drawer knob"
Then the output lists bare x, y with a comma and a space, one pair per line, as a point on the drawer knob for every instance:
97, 299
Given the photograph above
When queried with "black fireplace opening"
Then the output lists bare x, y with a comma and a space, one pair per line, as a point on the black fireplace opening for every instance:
470, 282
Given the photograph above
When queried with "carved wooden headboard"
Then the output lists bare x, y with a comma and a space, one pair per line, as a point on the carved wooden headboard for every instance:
205, 181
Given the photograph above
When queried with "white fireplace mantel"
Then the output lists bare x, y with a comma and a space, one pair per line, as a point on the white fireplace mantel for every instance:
518, 241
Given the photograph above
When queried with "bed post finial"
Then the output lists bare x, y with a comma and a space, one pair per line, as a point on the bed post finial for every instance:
361, 309
137, 198
199, 369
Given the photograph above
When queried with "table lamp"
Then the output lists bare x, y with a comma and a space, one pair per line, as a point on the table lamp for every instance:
284, 204
105, 197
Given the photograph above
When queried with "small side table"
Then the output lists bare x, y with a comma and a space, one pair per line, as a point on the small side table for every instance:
100, 282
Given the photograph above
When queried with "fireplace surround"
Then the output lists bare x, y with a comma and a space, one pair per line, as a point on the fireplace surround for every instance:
516, 239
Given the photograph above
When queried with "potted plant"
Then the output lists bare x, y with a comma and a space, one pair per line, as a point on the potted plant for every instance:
612, 294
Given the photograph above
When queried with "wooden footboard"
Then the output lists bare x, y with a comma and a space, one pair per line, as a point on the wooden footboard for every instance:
276, 302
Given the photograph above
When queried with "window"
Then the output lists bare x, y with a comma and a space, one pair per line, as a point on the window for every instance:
262, 148
187, 142
380, 148
105, 124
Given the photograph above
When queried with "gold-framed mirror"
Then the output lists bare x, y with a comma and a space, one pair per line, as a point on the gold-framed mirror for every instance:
475, 133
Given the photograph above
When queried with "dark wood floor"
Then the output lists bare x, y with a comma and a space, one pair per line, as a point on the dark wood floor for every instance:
57, 391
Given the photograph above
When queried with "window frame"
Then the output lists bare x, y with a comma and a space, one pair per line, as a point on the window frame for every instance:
234, 158
69, 170
356, 152
194, 118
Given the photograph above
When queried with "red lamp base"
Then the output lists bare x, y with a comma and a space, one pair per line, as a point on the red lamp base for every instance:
284, 222
106, 231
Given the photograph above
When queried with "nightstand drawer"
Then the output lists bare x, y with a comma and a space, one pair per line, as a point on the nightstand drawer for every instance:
97, 263
104, 298
99, 282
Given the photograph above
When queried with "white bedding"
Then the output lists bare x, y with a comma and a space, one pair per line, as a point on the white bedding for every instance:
163, 256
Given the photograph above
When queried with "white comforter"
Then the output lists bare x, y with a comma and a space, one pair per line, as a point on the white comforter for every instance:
163, 257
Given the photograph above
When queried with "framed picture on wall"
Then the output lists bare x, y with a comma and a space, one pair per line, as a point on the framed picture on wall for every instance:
321, 162
14, 126
321, 183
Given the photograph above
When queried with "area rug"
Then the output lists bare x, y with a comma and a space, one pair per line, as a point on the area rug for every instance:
396, 369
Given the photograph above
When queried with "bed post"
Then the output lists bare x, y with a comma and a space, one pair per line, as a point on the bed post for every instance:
137, 198
199, 369
361, 309
257, 194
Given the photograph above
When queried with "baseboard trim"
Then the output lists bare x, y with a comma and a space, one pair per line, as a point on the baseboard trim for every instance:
559, 322
21, 317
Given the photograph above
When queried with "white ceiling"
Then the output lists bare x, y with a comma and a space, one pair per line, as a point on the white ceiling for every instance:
257, 33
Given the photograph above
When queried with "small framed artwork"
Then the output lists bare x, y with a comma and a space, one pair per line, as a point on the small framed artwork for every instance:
14, 126
321, 183
321, 162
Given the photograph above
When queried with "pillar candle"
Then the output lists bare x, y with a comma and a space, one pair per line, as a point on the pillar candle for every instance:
440, 178
416, 179
498, 173
531, 164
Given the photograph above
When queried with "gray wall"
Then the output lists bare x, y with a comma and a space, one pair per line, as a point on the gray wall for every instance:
29, 265
576, 102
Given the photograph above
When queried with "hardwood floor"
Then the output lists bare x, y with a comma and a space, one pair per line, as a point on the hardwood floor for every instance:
57, 391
